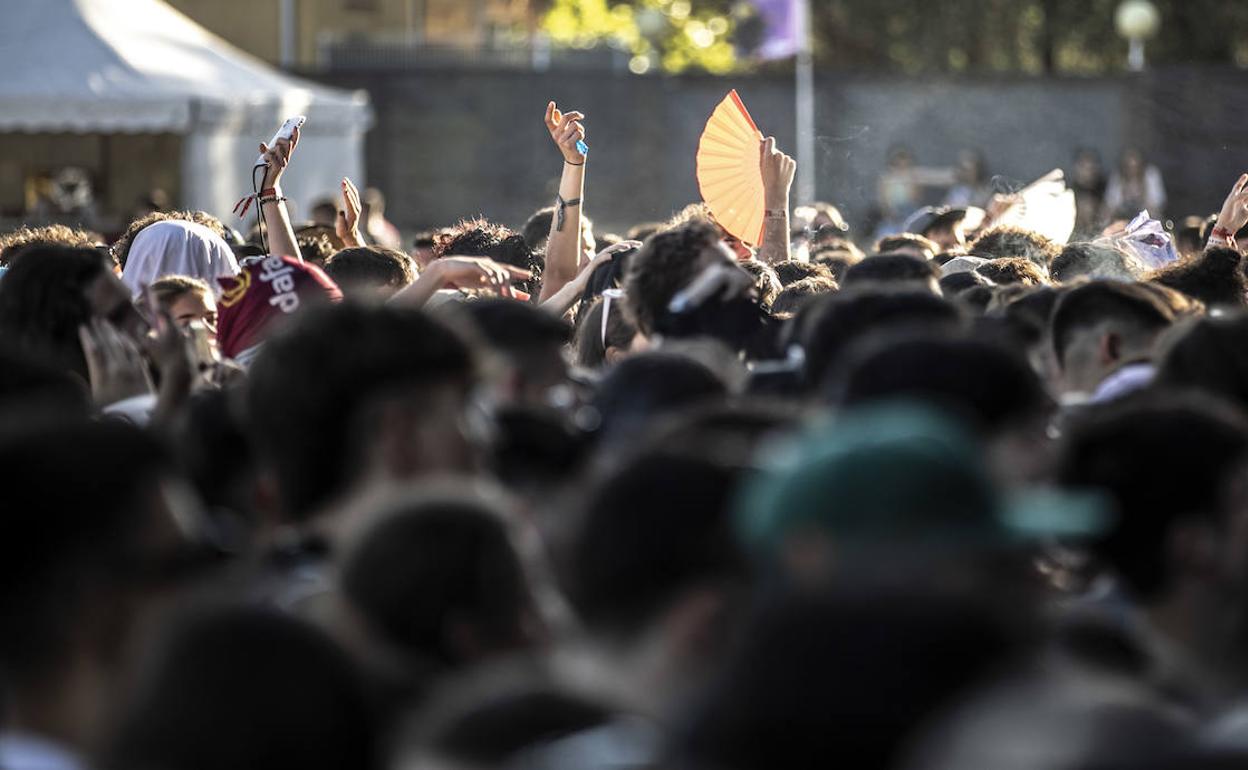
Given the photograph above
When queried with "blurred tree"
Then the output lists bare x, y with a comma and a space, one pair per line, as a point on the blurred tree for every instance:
911, 36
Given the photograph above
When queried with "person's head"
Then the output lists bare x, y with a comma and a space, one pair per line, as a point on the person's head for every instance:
1215, 277
121, 249
648, 385
598, 344
799, 293
1191, 234
766, 282
317, 243
1098, 327
983, 384
1015, 271
49, 235
423, 246
98, 533
896, 271
839, 320
955, 284
350, 392
31, 385
51, 291
1095, 259
437, 576
911, 244
528, 341
1008, 242
324, 213
838, 258
1088, 171
1164, 465
481, 238
247, 688
652, 561
791, 271
370, 272
1209, 355
1131, 163
176, 247
667, 263
186, 300
536, 231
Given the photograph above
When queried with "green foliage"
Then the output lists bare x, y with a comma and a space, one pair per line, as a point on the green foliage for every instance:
674, 35
911, 36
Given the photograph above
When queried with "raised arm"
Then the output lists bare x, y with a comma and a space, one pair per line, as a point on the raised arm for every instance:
1232, 217
563, 300
778, 170
563, 249
272, 204
347, 226
463, 273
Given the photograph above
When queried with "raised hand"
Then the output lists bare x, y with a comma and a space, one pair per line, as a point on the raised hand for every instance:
347, 225
278, 158
478, 273
1234, 214
566, 130
778, 170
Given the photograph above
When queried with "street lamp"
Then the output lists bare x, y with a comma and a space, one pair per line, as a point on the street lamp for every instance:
1137, 21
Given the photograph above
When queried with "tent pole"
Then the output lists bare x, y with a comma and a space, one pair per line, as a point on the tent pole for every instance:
804, 87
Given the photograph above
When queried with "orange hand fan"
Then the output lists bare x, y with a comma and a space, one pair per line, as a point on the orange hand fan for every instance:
728, 170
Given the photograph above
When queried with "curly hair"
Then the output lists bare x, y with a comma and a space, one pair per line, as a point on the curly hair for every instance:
765, 281
1016, 270
665, 265
317, 243
43, 301
48, 235
121, 249
1214, 277
482, 238
1006, 242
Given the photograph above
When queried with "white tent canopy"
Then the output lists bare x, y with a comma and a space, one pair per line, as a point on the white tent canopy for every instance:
139, 66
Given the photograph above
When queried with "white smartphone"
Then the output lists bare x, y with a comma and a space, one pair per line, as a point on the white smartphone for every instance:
285, 132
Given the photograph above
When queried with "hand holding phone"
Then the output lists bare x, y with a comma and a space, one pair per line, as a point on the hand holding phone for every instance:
287, 131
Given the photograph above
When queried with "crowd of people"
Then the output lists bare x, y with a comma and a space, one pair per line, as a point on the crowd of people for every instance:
963, 497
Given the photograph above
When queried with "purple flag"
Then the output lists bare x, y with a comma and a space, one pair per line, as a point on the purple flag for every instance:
783, 35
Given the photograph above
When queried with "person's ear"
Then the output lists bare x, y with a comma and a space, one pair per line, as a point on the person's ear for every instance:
1110, 348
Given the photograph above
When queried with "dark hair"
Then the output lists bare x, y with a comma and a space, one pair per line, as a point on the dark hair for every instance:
650, 529
766, 282
312, 380
1208, 354
955, 283
1008, 242
364, 270
665, 264
276, 690
798, 293
591, 352
1097, 301
77, 510
430, 564
649, 385
1160, 463
29, 383
840, 319
1215, 277
1095, 260
979, 382
480, 238
317, 243
1004, 272
791, 271
904, 243
536, 230
516, 327
43, 301
891, 269
837, 260
168, 289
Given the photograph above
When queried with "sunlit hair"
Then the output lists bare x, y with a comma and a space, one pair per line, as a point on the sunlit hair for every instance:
121, 249
171, 288
48, 235
482, 238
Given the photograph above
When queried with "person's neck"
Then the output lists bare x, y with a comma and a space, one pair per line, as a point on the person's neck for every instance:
65, 708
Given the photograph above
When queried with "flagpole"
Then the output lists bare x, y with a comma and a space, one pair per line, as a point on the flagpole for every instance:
804, 87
